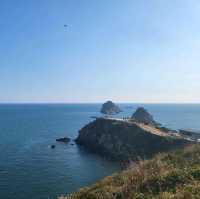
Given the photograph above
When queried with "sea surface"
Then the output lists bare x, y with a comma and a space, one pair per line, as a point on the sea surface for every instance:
30, 169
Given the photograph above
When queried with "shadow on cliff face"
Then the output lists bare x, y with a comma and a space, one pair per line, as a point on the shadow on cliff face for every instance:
122, 140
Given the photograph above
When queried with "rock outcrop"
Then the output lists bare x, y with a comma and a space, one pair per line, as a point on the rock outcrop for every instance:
110, 108
190, 134
122, 140
64, 139
142, 115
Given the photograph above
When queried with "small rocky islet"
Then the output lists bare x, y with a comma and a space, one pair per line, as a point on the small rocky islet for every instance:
63, 139
110, 108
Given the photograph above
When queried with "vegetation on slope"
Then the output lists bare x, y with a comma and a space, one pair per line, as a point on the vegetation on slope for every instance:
174, 175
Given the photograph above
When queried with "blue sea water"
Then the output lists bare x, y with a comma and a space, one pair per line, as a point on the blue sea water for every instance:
29, 168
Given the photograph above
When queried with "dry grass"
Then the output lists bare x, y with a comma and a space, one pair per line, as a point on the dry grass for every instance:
167, 176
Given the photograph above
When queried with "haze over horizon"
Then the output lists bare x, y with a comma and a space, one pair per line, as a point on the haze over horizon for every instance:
125, 51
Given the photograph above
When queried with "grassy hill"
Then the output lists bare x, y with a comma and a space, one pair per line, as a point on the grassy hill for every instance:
174, 175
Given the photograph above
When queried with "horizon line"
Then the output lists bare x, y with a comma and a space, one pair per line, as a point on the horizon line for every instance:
15, 103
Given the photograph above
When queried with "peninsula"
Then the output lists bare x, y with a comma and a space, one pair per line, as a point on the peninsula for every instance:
123, 139
140, 138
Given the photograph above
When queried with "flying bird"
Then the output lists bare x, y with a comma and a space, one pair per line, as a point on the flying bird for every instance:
65, 25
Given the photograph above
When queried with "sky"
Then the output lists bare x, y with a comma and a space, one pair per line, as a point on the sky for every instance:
126, 51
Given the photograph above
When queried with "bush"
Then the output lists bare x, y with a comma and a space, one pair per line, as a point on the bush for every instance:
175, 175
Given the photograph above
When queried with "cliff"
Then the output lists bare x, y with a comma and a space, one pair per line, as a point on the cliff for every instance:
125, 139
110, 108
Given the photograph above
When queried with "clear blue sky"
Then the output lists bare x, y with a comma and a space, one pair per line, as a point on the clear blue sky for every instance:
125, 51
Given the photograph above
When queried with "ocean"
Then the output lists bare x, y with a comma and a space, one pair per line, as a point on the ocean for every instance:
29, 168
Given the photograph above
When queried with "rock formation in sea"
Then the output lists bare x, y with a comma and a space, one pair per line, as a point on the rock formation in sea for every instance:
110, 108
64, 139
122, 139
143, 116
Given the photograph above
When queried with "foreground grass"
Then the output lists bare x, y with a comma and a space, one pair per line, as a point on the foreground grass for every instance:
174, 175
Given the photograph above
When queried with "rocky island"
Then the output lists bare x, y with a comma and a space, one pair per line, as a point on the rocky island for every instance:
122, 139
110, 108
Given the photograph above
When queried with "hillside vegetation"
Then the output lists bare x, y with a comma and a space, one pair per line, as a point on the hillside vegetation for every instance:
174, 175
